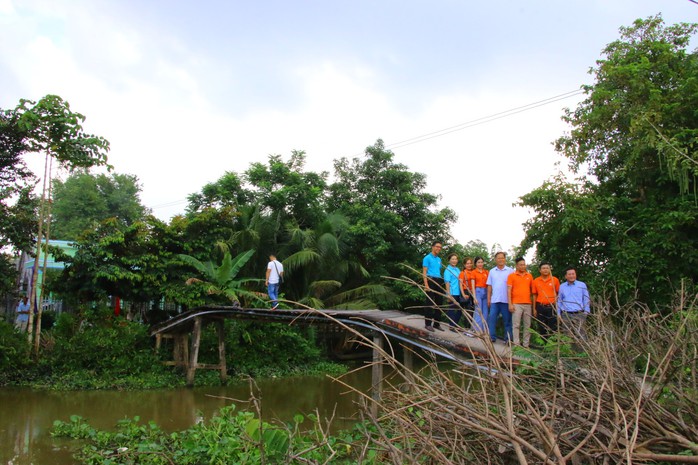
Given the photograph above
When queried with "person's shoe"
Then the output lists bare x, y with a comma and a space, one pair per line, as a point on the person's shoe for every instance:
275, 306
429, 328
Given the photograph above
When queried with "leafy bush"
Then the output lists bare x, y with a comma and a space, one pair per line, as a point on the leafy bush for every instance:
95, 350
263, 349
229, 437
14, 352
101, 345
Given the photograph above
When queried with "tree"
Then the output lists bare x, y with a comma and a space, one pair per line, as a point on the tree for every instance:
391, 217
84, 200
472, 249
631, 224
286, 191
50, 127
221, 280
129, 262
17, 203
321, 271
227, 191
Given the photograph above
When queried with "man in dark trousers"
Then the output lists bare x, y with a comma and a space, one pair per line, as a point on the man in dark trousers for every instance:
434, 287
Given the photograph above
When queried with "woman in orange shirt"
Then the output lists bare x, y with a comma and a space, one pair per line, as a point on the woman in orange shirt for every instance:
479, 275
467, 287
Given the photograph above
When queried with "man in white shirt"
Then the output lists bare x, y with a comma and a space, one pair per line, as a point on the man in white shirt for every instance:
275, 274
23, 309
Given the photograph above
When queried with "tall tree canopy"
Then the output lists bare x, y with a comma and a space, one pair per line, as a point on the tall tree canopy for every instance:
84, 200
17, 204
630, 223
391, 216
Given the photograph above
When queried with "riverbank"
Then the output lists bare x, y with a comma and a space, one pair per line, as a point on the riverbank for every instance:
28, 415
98, 351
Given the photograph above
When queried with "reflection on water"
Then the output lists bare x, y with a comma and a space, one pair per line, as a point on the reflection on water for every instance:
26, 416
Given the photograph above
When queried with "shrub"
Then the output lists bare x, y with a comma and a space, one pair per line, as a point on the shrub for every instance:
14, 352
229, 437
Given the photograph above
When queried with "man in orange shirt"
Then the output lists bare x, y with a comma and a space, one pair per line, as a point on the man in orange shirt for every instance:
519, 289
545, 289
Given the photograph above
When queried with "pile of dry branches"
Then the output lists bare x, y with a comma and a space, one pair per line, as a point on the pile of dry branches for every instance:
629, 396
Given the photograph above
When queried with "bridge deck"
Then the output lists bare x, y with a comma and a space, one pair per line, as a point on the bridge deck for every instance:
407, 327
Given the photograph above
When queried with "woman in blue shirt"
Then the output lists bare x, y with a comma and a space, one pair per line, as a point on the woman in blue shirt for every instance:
451, 278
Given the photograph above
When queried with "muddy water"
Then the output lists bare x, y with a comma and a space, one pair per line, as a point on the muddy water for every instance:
26, 416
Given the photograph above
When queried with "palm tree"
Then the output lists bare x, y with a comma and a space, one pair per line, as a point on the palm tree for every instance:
222, 280
320, 275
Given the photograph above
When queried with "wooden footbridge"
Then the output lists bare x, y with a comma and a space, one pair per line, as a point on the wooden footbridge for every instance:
378, 325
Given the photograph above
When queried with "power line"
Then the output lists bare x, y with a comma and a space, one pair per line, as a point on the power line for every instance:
457, 127
484, 119
169, 204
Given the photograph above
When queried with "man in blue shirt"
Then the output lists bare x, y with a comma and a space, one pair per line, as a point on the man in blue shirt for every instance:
433, 286
573, 304
497, 297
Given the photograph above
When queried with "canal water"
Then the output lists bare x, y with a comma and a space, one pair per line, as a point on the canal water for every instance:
26, 416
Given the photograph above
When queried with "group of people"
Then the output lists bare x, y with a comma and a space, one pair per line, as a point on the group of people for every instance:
502, 291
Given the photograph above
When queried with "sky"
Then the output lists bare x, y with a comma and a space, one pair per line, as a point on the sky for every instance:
185, 91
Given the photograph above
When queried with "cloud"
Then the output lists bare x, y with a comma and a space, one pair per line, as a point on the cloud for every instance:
188, 92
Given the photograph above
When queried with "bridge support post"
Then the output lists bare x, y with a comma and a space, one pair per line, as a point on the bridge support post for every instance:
377, 371
408, 362
408, 359
220, 329
194, 354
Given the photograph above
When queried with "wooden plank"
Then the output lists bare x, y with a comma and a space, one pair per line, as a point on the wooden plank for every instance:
208, 366
175, 364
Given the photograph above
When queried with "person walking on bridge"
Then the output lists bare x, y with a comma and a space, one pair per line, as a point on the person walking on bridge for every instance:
275, 275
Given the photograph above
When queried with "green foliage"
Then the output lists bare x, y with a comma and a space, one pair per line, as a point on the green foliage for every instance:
50, 126
84, 200
630, 226
287, 190
14, 353
96, 350
226, 193
222, 280
103, 347
17, 203
229, 437
266, 349
321, 272
8, 275
390, 215
471, 249
130, 262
